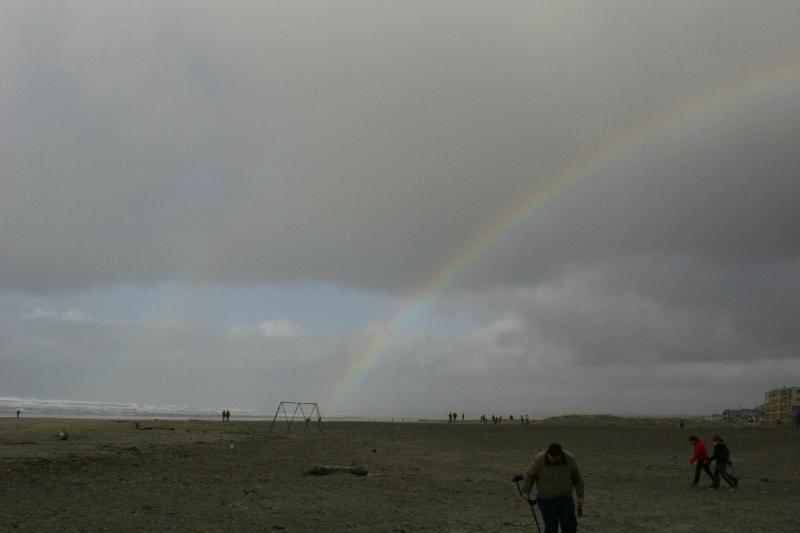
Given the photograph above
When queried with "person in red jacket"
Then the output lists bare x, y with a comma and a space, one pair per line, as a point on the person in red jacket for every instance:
699, 459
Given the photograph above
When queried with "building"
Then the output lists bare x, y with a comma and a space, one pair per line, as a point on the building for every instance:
781, 404
741, 416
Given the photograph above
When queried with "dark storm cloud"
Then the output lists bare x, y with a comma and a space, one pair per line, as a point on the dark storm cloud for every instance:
363, 143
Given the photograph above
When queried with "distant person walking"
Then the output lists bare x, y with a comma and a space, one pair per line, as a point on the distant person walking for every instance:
228, 415
699, 459
555, 474
797, 418
722, 460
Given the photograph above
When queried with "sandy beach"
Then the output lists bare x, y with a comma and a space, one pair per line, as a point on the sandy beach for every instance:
214, 476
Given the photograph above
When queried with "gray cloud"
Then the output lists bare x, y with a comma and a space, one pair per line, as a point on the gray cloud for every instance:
513, 365
165, 362
363, 143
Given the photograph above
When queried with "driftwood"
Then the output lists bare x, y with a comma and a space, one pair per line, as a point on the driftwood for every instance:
165, 428
324, 470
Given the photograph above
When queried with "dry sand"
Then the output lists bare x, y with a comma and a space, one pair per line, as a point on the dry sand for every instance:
214, 476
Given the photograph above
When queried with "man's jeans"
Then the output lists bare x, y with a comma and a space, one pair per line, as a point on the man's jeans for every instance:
558, 511
722, 470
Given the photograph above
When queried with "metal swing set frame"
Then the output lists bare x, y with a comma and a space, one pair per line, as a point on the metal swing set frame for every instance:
306, 409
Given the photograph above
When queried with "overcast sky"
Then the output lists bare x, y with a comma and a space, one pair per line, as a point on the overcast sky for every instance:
223, 204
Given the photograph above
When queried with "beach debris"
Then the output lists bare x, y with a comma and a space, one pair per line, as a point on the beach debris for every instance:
62, 435
142, 428
324, 470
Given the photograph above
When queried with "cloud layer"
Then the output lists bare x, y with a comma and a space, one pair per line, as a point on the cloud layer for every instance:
362, 144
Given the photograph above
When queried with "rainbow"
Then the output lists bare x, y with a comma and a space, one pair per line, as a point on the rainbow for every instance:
544, 193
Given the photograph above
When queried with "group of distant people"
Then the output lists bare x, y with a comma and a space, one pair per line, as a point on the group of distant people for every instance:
226, 415
452, 418
523, 419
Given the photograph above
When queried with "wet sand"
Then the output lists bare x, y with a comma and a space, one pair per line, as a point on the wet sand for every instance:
236, 476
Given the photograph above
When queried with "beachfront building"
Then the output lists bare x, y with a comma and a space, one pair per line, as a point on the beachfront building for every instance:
741, 416
781, 404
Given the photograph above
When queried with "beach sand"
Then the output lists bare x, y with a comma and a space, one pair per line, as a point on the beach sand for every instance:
215, 476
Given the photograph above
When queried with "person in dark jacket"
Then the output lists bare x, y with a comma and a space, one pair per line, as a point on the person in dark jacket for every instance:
699, 459
722, 459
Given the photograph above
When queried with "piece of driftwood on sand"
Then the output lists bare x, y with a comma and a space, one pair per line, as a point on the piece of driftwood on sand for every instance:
325, 470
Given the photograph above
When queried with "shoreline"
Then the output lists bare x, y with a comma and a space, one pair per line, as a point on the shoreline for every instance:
578, 418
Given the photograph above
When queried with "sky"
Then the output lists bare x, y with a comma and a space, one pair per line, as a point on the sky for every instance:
401, 208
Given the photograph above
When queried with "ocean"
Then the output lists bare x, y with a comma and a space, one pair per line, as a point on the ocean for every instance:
49, 408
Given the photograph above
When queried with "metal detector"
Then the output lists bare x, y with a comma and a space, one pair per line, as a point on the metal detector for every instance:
531, 503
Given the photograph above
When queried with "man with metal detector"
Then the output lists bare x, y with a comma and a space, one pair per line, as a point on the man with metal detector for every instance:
555, 474
531, 503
